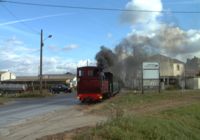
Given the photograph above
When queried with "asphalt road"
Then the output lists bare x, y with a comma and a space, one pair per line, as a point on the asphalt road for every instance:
22, 109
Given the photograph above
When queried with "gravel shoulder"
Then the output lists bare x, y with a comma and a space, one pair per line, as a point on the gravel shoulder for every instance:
50, 123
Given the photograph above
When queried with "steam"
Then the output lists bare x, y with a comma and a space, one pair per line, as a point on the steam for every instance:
148, 37
168, 40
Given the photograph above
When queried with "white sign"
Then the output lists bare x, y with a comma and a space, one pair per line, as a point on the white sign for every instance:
150, 65
151, 83
150, 74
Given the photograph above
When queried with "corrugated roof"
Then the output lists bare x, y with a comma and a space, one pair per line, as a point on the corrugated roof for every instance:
161, 58
46, 77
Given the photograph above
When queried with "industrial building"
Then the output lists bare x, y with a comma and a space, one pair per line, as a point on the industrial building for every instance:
6, 75
33, 82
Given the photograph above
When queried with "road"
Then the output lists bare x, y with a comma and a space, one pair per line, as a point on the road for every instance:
26, 119
22, 109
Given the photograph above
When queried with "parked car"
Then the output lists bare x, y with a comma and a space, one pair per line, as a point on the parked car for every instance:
60, 88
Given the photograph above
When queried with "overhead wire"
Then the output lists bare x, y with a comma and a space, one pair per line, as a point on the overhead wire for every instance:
25, 25
97, 8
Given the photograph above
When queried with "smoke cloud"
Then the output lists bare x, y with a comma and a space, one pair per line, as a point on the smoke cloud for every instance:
106, 59
148, 37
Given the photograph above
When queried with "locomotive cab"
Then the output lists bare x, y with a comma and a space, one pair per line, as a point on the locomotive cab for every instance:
93, 84
89, 84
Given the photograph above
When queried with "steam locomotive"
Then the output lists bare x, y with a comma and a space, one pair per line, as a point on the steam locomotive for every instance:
95, 85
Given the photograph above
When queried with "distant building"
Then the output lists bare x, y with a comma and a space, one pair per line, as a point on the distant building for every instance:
193, 67
6, 75
172, 71
33, 82
193, 83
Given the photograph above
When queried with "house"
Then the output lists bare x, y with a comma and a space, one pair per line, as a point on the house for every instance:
6, 75
172, 71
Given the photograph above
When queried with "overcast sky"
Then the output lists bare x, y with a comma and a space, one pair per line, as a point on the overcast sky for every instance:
78, 34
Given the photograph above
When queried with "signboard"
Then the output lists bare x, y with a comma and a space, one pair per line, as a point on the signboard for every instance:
150, 65
150, 75
151, 83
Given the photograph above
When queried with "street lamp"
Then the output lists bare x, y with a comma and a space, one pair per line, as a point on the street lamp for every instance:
41, 51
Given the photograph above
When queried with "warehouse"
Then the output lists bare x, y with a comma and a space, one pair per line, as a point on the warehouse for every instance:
6, 75
48, 80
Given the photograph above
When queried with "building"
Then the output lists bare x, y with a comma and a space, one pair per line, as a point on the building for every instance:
33, 82
172, 71
6, 75
193, 83
193, 67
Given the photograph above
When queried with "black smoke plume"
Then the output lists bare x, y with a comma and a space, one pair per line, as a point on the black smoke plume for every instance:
126, 59
106, 59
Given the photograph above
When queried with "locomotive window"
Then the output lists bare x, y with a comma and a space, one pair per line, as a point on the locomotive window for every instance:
102, 76
96, 73
80, 73
90, 73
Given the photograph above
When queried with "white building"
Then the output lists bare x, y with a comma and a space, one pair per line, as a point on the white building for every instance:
172, 71
193, 83
6, 75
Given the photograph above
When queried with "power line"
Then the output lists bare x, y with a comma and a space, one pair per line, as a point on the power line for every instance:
98, 8
27, 26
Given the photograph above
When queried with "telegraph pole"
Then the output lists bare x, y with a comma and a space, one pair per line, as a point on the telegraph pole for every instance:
41, 47
41, 51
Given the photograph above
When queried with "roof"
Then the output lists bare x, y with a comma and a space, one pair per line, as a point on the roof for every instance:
162, 58
87, 67
47, 77
2, 72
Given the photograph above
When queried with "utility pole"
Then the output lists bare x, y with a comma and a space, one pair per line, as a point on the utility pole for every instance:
41, 47
41, 51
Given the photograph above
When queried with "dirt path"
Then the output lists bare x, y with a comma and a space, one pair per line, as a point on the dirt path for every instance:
51, 123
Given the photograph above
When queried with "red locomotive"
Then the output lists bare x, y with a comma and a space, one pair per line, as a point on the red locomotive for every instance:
94, 85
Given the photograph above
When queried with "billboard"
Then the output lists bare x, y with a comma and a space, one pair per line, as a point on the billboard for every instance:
150, 74
150, 65
150, 70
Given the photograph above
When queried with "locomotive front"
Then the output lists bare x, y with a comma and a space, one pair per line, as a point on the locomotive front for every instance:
89, 84
94, 85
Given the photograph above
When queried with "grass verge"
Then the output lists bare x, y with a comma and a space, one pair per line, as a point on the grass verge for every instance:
168, 120
129, 101
4, 100
27, 94
32, 94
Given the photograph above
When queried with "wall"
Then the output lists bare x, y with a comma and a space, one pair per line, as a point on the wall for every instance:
166, 69
7, 76
178, 69
193, 83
